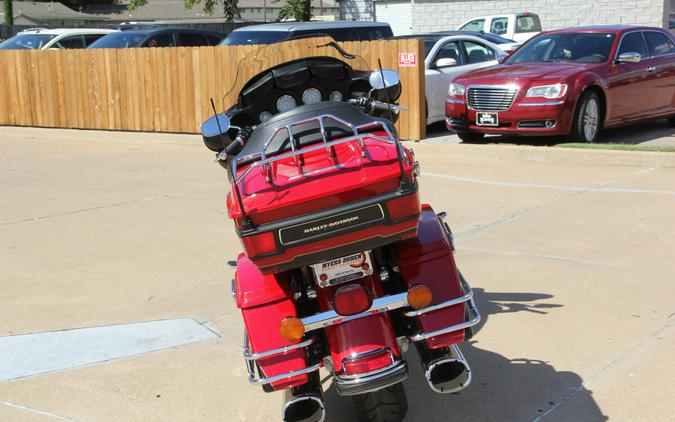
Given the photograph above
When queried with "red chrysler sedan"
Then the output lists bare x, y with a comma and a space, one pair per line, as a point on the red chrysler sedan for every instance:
569, 82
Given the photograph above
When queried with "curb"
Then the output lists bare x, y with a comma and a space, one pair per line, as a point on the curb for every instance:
545, 154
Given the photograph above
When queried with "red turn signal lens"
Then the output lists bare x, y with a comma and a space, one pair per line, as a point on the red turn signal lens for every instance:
419, 296
405, 206
259, 244
377, 360
292, 329
351, 299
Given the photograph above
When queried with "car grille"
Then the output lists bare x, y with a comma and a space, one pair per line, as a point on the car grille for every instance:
491, 99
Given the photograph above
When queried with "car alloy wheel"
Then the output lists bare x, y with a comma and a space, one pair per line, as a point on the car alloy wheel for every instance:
591, 117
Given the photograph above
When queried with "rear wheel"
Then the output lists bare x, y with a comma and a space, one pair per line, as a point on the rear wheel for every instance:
470, 136
671, 121
587, 118
385, 405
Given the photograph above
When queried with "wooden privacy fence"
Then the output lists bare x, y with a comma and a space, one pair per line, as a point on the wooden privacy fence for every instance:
169, 89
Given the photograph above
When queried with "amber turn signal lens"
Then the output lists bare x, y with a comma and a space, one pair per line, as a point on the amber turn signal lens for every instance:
292, 329
419, 296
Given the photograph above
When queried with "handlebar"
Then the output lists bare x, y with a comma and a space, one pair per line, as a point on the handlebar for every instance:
368, 104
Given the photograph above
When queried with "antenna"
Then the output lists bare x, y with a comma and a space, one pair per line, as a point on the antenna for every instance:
405, 184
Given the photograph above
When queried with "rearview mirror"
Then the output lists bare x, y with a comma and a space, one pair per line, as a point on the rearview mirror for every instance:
629, 58
214, 132
391, 79
446, 62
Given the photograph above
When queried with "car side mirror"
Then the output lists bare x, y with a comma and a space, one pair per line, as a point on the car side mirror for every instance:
629, 58
446, 62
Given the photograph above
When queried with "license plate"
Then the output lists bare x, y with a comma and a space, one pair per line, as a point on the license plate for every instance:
487, 119
342, 270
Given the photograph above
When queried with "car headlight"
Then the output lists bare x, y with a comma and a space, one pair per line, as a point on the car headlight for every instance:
455, 90
548, 91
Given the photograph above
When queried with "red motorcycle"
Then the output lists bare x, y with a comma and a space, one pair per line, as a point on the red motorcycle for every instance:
342, 267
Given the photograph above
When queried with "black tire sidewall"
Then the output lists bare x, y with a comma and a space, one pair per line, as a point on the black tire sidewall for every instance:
578, 132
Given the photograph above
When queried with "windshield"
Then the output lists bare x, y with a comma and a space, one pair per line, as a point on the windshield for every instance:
254, 37
565, 47
495, 39
26, 42
120, 40
268, 56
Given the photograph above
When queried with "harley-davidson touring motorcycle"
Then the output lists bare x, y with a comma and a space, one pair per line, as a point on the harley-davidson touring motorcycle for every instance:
342, 267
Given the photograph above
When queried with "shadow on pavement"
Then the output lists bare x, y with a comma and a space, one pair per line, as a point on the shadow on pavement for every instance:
502, 389
657, 132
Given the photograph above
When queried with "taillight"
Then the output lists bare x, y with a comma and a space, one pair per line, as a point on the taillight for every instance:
405, 206
259, 244
368, 363
351, 299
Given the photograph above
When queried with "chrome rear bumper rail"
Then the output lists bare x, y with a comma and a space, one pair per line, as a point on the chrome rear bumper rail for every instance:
248, 355
250, 359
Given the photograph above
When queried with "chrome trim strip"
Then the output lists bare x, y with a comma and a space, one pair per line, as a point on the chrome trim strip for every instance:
361, 355
248, 355
351, 385
452, 302
381, 304
453, 101
541, 104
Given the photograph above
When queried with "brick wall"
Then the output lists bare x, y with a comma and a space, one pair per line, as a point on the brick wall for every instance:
439, 15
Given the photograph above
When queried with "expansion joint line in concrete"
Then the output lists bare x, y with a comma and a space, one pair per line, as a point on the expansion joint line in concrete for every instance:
616, 362
38, 412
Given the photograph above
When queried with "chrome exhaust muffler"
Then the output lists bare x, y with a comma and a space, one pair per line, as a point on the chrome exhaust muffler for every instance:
448, 373
307, 406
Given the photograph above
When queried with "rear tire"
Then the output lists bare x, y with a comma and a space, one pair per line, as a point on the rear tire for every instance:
671, 121
470, 137
587, 118
385, 405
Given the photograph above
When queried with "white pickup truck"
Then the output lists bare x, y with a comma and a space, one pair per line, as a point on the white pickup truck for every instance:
517, 26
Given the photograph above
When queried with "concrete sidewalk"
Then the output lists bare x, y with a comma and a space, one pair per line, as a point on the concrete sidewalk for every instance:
571, 255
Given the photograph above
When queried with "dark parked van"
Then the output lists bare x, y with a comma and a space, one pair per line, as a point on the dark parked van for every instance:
168, 37
339, 30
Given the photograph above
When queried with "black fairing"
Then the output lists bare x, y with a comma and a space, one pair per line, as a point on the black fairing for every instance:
326, 74
308, 133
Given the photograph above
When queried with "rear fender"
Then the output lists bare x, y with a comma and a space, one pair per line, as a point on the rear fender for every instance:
361, 336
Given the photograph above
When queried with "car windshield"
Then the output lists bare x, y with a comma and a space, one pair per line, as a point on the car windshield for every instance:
584, 47
254, 37
429, 43
123, 39
495, 39
26, 42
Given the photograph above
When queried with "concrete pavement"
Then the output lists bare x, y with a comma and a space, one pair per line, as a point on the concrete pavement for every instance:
571, 258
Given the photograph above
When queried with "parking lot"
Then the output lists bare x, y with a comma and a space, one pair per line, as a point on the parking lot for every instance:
571, 254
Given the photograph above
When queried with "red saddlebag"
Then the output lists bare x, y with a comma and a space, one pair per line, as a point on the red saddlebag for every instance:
428, 259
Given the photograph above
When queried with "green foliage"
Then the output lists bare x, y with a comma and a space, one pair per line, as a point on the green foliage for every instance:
300, 10
229, 6
7, 10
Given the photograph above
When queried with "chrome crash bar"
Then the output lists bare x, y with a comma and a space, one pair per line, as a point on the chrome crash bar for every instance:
381, 304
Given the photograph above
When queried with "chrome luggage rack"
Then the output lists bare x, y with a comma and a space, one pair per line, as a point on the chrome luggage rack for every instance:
381, 304
262, 159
